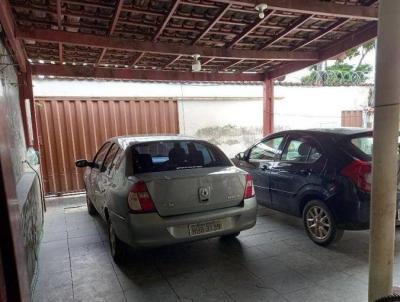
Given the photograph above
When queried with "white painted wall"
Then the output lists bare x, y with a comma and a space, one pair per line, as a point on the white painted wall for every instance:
210, 105
87, 88
197, 114
295, 108
316, 107
230, 118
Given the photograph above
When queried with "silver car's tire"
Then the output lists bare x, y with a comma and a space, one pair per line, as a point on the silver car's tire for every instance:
117, 247
320, 224
91, 209
230, 236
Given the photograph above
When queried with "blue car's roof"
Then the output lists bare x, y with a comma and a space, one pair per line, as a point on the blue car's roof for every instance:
342, 131
336, 132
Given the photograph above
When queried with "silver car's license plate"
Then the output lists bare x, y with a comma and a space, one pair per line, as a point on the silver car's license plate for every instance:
205, 227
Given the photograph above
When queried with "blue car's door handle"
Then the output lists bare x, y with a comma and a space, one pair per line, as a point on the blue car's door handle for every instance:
265, 168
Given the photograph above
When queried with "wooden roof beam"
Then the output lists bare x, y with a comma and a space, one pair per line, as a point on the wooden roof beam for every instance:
172, 61
322, 33
60, 53
115, 18
59, 23
230, 65
314, 7
7, 22
149, 75
101, 56
249, 29
89, 40
114, 22
370, 2
257, 66
351, 40
207, 61
166, 20
296, 24
199, 4
136, 60
212, 23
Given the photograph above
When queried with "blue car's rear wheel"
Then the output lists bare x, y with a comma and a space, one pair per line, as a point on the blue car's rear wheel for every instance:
320, 224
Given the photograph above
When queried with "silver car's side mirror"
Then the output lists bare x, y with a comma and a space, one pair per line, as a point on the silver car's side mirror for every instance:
83, 163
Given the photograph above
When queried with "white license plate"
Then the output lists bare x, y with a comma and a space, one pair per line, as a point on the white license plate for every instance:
205, 227
398, 215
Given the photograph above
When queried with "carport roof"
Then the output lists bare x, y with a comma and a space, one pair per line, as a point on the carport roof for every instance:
155, 39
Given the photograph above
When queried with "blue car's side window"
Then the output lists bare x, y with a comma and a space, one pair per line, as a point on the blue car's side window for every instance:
266, 150
300, 150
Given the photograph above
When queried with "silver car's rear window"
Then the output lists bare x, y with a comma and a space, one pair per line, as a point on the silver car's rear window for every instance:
176, 155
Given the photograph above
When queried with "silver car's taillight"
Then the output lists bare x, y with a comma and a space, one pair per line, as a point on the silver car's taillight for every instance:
139, 199
249, 188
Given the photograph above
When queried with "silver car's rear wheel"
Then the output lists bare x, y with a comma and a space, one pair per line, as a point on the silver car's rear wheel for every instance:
113, 240
117, 247
320, 224
91, 209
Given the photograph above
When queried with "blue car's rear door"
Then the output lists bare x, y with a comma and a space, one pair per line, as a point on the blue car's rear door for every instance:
300, 166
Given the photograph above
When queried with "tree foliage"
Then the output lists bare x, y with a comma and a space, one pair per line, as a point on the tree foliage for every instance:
341, 73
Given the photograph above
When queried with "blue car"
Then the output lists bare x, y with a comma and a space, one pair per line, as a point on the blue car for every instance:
323, 176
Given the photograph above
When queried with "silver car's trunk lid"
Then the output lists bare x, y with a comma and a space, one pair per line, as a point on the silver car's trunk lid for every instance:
195, 190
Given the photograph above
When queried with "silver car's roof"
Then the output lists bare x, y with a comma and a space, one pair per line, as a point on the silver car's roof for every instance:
125, 141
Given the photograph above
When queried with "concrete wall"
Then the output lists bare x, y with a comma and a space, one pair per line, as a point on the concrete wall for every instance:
232, 124
236, 123
9, 94
27, 184
229, 115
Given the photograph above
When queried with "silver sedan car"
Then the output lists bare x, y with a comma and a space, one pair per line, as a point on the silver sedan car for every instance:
159, 190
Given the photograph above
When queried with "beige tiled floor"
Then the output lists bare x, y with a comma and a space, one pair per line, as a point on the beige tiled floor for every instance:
274, 261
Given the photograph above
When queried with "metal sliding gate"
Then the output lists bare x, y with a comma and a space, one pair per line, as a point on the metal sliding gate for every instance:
71, 129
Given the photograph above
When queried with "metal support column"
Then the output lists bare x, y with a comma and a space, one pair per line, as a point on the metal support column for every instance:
29, 120
268, 107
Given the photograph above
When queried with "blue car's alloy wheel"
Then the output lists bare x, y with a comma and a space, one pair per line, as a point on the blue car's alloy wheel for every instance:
320, 224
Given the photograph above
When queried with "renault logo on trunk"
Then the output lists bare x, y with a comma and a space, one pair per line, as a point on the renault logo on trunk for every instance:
204, 194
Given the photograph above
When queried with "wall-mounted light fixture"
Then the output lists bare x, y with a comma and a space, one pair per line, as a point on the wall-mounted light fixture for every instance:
196, 65
260, 8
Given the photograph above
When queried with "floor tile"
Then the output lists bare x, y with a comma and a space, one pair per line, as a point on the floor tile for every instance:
274, 261
152, 291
